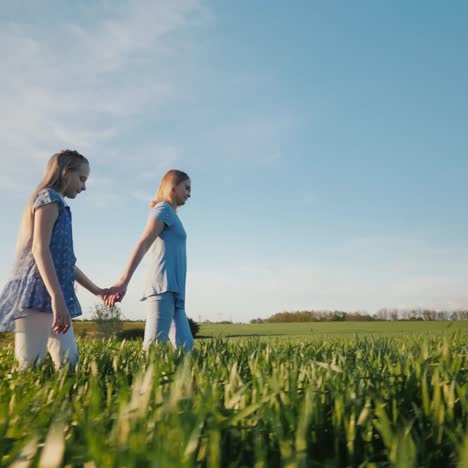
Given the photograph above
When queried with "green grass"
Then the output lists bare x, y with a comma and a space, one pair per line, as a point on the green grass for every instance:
328, 399
333, 329
89, 329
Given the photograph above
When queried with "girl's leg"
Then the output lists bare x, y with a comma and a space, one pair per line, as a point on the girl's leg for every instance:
159, 315
32, 333
63, 348
181, 335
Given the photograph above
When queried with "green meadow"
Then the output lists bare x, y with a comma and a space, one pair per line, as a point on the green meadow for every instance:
370, 394
88, 329
316, 329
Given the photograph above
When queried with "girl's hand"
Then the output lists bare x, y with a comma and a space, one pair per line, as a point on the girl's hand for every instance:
102, 293
61, 316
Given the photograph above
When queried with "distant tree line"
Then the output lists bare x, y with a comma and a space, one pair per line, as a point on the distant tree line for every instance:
382, 314
421, 314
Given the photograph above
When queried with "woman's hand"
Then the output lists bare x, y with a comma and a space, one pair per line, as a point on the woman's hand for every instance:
61, 316
115, 294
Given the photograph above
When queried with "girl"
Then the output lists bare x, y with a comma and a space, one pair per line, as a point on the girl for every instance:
164, 290
39, 299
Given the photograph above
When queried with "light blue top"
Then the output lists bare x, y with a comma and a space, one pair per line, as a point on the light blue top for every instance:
25, 289
166, 268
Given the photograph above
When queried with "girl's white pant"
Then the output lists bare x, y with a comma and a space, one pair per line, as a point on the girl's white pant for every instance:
34, 337
165, 322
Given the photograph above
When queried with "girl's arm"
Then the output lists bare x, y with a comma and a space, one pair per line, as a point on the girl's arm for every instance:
84, 281
44, 220
153, 229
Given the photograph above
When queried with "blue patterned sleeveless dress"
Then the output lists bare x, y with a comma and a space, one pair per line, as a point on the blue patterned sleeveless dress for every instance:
25, 289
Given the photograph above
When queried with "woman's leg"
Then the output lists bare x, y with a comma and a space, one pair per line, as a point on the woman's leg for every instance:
63, 348
31, 335
159, 316
181, 335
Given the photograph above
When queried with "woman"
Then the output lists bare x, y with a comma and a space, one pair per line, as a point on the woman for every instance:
164, 240
39, 299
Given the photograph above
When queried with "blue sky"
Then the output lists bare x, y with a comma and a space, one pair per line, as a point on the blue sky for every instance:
326, 141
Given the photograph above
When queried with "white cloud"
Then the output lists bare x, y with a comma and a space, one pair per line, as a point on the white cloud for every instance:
134, 27
14, 185
142, 196
154, 159
80, 84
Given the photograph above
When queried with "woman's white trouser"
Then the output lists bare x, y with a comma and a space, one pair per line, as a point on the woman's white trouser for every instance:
34, 337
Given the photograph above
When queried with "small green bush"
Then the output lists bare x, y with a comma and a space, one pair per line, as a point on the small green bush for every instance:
108, 320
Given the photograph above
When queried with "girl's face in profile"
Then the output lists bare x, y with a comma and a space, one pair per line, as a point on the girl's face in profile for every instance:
182, 192
76, 181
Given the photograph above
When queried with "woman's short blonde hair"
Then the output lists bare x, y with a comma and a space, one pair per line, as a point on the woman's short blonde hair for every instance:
165, 191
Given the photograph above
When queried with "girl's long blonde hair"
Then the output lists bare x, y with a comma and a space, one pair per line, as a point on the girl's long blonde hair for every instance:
166, 187
57, 168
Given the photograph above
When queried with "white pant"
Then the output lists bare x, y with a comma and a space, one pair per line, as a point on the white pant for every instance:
164, 322
34, 337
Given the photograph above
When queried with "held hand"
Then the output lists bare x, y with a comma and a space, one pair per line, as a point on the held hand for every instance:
109, 296
103, 293
61, 317
115, 294
112, 299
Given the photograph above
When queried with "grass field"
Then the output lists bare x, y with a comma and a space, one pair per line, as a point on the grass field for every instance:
307, 329
316, 394
316, 329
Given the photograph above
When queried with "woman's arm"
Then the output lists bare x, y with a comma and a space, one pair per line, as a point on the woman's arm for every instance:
44, 220
153, 229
